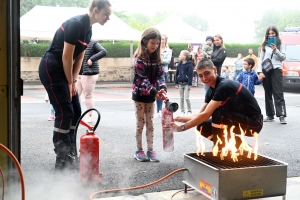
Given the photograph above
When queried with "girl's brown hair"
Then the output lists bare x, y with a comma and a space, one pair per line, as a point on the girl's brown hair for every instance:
265, 42
98, 4
142, 52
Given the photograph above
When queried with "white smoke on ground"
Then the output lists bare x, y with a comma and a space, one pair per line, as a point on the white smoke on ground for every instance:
64, 185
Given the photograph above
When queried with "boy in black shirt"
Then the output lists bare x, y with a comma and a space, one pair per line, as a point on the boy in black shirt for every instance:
226, 103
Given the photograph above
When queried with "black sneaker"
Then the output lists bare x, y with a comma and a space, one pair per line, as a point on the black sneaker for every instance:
282, 120
60, 163
269, 119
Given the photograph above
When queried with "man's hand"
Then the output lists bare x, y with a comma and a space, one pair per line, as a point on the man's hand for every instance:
176, 86
176, 127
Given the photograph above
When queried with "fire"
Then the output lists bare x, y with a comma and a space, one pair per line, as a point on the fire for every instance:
216, 148
230, 144
199, 142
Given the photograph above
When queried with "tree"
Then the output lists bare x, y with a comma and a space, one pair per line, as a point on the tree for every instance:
141, 21
196, 22
280, 19
27, 5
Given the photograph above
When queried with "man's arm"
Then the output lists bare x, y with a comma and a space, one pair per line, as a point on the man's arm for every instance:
200, 117
185, 118
203, 107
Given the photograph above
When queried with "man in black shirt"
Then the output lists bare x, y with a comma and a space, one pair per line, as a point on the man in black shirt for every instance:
227, 103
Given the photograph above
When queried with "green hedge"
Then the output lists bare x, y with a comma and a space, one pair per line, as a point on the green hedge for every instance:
121, 49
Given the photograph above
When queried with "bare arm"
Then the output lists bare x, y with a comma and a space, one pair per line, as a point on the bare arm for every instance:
67, 59
200, 117
77, 64
185, 118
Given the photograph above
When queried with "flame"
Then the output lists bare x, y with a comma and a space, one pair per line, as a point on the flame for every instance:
230, 144
199, 142
244, 145
256, 145
216, 148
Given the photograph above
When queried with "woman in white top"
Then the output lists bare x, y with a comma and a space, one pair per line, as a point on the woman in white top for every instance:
272, 80
166, 59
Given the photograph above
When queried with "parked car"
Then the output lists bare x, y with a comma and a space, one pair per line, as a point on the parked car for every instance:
291, 65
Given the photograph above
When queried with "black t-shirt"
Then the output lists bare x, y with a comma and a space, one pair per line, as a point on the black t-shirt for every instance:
76, 31
226, 91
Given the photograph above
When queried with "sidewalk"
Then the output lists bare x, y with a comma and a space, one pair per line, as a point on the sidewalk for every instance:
125, 84
99, 84
293, 193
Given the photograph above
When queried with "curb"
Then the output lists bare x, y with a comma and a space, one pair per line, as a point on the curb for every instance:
38, 85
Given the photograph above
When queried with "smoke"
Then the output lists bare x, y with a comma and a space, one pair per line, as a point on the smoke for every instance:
57, 185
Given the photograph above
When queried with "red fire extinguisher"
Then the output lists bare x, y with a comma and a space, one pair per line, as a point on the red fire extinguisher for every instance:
89, 152
166, 120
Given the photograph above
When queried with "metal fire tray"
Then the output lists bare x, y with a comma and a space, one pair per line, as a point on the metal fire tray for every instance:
227, 180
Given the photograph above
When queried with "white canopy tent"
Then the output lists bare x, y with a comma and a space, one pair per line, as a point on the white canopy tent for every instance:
178, 31
41, 22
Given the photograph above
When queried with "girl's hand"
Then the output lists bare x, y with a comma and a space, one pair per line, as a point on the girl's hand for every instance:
273, 47
89, 62
158, 95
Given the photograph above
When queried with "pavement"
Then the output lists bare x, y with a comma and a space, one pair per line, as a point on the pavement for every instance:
293, 193
293, 183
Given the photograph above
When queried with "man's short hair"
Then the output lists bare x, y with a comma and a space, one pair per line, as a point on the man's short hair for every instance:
250, 61
205, 63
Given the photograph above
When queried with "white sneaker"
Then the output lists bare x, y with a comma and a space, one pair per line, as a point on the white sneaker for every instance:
182, 113
88, 119
159, 113
189, 112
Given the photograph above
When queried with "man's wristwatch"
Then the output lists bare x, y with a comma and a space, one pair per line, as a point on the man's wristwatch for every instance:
182, 127
74, 80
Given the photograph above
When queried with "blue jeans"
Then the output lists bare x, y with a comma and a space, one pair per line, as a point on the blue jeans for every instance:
236, 74
158, 102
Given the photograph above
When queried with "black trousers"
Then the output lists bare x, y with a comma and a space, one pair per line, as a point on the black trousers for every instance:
273, 86
222, 116
67, 111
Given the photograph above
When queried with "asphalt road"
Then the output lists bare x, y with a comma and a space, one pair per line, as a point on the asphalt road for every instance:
117, 137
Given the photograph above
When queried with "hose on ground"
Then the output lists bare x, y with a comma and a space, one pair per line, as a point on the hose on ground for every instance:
12, 156
137, 187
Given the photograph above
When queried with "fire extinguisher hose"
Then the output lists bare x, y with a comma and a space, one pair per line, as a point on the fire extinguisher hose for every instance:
78, 122
12, 156
137, 187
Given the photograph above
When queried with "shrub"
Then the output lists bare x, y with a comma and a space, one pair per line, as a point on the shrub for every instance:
121, 49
